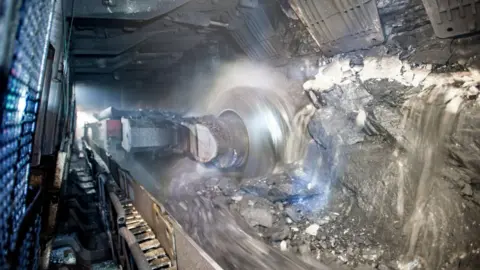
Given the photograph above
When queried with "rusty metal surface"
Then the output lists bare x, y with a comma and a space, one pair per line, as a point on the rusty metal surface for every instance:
143, 242
341, 25
150, 212
52, 217
174, 241
252, 29
150, 247
60, 170
157, 220
453, 18
189, 255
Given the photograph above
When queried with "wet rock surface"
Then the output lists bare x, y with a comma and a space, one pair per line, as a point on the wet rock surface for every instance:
332, 233
409, 167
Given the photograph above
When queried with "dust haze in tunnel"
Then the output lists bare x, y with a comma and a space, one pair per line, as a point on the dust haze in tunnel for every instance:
273, 112
276, 119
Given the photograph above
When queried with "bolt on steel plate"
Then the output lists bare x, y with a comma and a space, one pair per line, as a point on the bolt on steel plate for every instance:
453, 18
341, 25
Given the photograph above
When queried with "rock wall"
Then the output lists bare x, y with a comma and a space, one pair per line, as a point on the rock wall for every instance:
404, 119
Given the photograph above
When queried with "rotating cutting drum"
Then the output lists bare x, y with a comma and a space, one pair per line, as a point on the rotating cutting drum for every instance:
252, 130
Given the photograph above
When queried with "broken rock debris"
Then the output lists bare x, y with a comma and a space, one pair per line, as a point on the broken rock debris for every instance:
256, 216
312, 229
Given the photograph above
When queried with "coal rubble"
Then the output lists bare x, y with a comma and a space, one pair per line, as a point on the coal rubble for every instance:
330, 235
287, 215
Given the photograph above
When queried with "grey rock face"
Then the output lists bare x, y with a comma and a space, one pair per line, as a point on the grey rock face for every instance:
372, 254
304, 249
467, 190
227, 185
281, 234
211, 182
257, 216
293, 214
383, 267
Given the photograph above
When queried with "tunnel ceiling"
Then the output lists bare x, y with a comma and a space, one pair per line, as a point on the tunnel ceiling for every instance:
141, 39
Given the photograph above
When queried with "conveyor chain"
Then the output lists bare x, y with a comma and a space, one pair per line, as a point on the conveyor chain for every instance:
149, 244
146, 239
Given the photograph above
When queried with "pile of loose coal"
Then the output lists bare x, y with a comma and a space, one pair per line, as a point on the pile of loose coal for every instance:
282, 212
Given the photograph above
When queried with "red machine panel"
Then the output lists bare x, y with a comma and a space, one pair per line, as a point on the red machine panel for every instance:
114, 129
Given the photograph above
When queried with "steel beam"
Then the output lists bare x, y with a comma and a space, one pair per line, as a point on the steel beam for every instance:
132, 59
119, 44
122, 9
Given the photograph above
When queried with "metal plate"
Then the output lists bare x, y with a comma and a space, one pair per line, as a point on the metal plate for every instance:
154, 216
453, 18
136, 136
253, 31
341, 25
